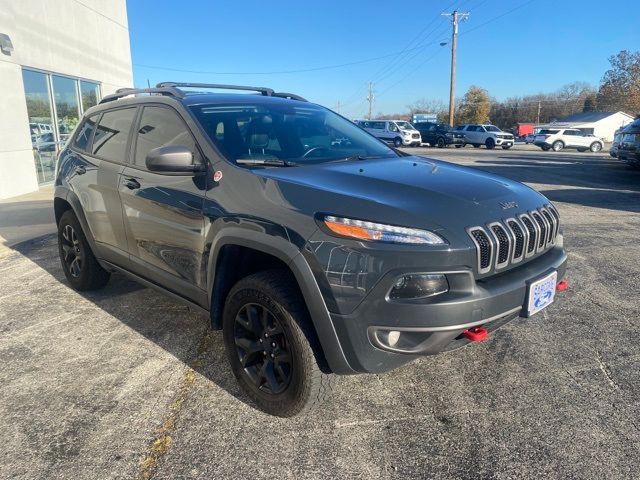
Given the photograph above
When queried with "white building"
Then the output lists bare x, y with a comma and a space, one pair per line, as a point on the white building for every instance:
600, 124
57, 58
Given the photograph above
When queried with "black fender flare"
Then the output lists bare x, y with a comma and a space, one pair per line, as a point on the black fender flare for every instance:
72, 199
289, 254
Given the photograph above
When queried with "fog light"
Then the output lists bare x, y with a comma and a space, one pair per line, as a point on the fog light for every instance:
393, 337
415, 286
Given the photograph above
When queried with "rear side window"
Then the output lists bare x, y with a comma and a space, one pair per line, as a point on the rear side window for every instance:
160, 126
84, 134
112, 133
547, 131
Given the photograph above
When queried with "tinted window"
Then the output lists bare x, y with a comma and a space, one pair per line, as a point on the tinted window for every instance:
110, 140
84, 134
472, 128
301, 133
378, 125
161, 126
547, 131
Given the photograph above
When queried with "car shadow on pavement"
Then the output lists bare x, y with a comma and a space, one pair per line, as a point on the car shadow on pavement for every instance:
168, 323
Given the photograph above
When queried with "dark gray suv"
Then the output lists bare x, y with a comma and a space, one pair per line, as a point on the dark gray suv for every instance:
315, 247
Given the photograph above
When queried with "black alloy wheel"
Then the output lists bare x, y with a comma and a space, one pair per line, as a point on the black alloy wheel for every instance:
440, 143
72, 253
262, 348
80, 266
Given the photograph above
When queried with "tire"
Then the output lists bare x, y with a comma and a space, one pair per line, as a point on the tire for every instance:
581, 149
490, 143
79, 263
557, 146
279, 387
397, 142
546, 148
595, 147
460, 146
441, 143
475, 145
506, 147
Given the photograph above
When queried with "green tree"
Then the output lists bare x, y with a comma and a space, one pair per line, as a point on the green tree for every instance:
620, 85
590, 103
474, 107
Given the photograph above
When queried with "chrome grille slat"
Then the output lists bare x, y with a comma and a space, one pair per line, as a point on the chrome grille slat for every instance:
511, 240
503, 244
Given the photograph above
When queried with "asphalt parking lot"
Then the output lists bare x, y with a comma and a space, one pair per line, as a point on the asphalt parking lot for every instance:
126, 383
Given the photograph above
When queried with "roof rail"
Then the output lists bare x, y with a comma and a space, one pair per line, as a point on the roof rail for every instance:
263, 90
124, 92
290, 96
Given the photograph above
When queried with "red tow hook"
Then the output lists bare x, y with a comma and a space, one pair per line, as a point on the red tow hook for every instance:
475, 334
561, 286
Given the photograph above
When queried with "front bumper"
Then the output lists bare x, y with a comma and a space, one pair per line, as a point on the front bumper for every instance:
436, 324
407, 141
504, 141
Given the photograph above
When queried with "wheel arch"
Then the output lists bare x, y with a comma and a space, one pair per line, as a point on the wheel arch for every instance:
238, 252
65, 199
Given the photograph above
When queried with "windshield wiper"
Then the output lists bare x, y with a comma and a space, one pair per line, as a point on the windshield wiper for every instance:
364, 157
267, 162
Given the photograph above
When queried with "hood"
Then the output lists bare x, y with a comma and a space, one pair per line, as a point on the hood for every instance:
409, 191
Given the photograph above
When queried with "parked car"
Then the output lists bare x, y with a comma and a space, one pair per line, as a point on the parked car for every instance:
529, 138
629, 148
617, 136
439, 134
315, 258
397, 132
488, 135
558, 138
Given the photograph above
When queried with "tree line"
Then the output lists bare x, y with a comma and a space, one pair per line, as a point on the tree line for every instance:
619, 90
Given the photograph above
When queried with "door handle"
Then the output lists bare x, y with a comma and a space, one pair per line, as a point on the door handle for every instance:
132, 183
80, 170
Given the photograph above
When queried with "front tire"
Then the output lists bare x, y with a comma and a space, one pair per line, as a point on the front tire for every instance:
440, 143
397, 142
271, 346
506, 147
78, 261
490, 143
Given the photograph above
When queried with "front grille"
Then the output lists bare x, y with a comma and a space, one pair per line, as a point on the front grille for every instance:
503, 242
483, 244
500, 244
415, 135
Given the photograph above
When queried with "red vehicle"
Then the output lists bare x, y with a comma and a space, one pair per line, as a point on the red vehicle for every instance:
523, 129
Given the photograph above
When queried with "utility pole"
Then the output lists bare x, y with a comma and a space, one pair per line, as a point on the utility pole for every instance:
538, 120
455, 19
370, 98
338, 106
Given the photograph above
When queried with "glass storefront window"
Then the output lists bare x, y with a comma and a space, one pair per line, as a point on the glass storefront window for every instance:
36, 89
45, 94
65, 95
90, 93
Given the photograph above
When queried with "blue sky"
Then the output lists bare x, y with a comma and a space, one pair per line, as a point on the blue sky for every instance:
508, 47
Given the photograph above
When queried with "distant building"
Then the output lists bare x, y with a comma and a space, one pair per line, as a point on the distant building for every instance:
600, 124
57, 58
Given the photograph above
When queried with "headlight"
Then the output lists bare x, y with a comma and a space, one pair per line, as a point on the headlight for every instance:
416, 286
362, 230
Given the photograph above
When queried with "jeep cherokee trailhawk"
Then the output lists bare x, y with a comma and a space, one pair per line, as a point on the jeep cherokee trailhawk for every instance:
316, 248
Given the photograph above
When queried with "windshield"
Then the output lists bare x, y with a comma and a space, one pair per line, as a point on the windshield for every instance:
254, 133
492, 128
405, 126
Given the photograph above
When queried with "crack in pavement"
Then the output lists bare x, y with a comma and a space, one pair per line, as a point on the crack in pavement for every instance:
163, 441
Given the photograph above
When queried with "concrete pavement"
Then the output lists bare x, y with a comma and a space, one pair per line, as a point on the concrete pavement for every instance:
126, 383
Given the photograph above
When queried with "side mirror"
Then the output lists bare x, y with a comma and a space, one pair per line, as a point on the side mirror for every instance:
172, 160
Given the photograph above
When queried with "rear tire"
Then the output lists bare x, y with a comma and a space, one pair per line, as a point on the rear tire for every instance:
78, 261
267, 329
595, 147
490, 143
557, 146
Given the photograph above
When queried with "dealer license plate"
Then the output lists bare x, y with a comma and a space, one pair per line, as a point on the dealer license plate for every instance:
542, 293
